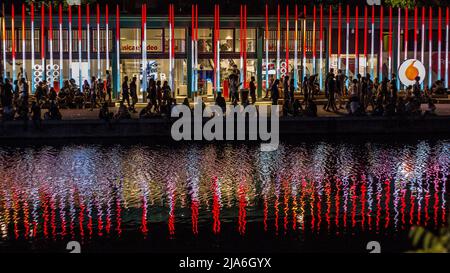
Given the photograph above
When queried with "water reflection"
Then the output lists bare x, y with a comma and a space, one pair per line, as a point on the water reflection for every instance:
83, 192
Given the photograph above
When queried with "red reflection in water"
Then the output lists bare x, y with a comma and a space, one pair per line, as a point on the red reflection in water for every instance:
118, 216
286, 206
81, 218
144, 228
171, 222
216, 206
53, 216
265, 213
337, 201
312, 203
328, 202
194, 217
26, 218
15, 214
363, 201
403, 207
319, 211
242, 208
387, 199
353, 198
45, 214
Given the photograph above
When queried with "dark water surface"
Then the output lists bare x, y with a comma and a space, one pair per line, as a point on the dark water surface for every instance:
324, 196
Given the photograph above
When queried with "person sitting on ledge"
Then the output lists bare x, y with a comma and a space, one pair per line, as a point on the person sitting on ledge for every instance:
390, 109
53, 112
104, 113
146, 112
220, 101
401, 109
379, 109
36, 114
123, 112
186, 103
431, 110
297, 108
311, 109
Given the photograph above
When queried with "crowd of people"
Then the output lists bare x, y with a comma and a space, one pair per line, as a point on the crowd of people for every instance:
364, 97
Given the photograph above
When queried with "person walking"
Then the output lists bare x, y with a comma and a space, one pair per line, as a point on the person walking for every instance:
253, 89
274, 92
93, 93
331, 104
125, 91
133, 93
108, 86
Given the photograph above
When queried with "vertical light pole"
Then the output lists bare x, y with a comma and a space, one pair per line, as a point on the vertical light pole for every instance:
32, 48
365, 39
24, 67
330, 32
50, 45
422, 46
70, 42
447, 17
314, 41
304, 41
430, 48
43, 41
267, 46
372, 43
61, 71
399, 48
99, 70
278, 41
439, 76
144, 49
88, 38
415, 32
321, 48
390, 41
4, 40
287, 40
13, 45
356, 41
107, 35
339, 36
80, 78
347, 34
406, 33
118, 80
381, 43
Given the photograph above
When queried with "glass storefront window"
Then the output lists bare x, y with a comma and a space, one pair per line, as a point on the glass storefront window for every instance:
227, 40
180, 40
251, 40
130, 40
205, 40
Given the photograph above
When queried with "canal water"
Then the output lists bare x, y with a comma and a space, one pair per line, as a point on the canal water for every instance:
314, 196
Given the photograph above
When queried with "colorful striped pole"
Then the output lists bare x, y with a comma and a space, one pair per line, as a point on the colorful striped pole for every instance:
390, 41
4, 41
107, 35
118, 80
278, 41
23, 43
144, 48
381, 43
339, 35
88, 37
50, 45
439, 69
70, 42
99, 69
415, 32
32, 48
13, 44
430, 47
356, 41
287, 40
314, 41
330, 47
80, 78
399, 48
422, 46
405, 34
321, 48
365, 39
43, 41
304, 41
267, 46
447, 19
61, 70
347, 41
372, 44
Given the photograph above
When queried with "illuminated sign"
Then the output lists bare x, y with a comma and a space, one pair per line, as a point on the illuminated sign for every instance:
409, 70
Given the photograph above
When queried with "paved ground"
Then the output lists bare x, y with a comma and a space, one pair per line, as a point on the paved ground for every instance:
442, 110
